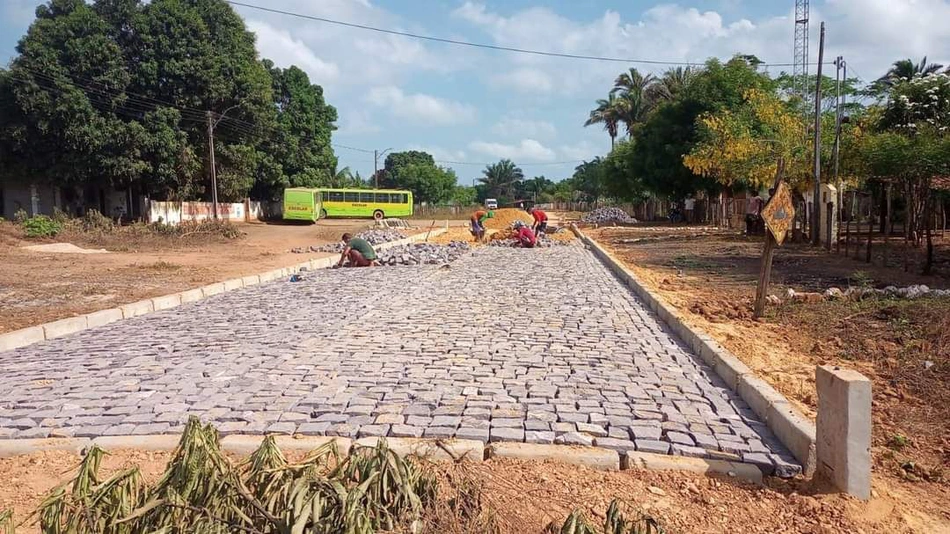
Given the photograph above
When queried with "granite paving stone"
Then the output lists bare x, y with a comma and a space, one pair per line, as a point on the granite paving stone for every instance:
330, 356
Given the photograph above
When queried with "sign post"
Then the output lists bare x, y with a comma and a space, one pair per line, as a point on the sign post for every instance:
778, 215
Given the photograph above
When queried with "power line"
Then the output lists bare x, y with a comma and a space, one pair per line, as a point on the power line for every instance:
479, 45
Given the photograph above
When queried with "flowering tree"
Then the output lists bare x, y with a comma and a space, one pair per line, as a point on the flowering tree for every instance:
744, 146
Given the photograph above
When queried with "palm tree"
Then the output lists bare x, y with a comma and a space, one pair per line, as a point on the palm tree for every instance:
673, 83
501, 177
907, 69
608, 113
636, 98
342, 178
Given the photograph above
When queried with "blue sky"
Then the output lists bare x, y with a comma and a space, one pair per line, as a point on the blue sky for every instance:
474, 106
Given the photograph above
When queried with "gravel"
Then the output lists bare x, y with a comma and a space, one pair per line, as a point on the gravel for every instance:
423, 253
375, 236
607, 216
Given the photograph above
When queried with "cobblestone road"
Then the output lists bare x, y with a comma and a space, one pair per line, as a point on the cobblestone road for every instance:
543, 346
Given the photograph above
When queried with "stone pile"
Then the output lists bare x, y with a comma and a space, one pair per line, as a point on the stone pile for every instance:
861, 293
375, 236
423, 253
607, 216
544, 241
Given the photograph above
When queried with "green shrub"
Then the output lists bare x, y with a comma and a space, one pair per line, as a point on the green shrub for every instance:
95, 221
20, 215
41, 226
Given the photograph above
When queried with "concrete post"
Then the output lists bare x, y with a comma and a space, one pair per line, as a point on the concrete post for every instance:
843, 434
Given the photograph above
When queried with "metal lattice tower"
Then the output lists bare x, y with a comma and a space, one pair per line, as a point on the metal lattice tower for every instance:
800, 70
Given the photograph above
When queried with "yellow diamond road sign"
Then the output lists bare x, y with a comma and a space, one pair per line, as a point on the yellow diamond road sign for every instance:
779, 213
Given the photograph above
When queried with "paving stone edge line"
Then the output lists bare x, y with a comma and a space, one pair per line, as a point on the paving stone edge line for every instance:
451, 449
71, 325
791, 427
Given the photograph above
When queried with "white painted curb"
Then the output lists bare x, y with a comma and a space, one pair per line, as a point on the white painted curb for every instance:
792, 428
71, 325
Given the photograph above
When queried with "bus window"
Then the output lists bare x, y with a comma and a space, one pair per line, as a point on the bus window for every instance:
324, 196
395, 198
351, 197
336, 196
382, 198
366, 198
405, 198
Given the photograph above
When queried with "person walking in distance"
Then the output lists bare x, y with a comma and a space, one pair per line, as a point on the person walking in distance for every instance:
753, 213
540, 220
688, 205
357, 252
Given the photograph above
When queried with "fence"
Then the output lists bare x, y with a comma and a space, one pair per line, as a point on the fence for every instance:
173, 213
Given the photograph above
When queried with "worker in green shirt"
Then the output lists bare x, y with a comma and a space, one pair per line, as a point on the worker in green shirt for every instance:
358, 251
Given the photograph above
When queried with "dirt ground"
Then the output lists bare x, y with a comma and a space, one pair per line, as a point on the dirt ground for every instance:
903, 346
526, 496
38, 287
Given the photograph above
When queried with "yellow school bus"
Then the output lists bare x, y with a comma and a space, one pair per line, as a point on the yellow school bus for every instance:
301, 204
375, 203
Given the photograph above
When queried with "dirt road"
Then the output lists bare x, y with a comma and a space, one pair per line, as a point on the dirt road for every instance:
709, 276
37, 287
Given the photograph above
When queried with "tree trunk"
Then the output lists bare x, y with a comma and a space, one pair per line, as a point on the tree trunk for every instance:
928, 264
887, 223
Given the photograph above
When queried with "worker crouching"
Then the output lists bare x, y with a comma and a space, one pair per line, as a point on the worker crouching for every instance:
357, 252
524, 237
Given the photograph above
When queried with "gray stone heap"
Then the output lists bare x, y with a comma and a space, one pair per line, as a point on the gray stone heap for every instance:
423, 254
607, 216
375, 236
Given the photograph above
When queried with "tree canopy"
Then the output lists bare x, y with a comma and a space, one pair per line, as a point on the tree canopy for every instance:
121, 93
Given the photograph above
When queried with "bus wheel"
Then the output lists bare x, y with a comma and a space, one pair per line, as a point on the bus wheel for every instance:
323, 214
378, 215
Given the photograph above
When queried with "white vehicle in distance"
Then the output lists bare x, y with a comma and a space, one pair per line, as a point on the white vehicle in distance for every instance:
491, 203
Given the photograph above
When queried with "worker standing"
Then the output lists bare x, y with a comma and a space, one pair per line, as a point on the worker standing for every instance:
540, 220
524, 237
478, 223
358, 251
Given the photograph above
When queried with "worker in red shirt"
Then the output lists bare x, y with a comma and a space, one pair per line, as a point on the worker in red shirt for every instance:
524, 237
540, 220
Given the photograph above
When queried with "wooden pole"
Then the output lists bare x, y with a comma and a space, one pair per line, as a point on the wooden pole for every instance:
816, 198
888, 224
768, 252
830, 220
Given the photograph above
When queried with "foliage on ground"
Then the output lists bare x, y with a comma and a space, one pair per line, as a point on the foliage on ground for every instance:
369, 490
41, 226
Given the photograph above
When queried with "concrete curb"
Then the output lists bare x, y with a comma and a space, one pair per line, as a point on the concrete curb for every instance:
71, 325
792, 428
449, 450
594, 457
663, 462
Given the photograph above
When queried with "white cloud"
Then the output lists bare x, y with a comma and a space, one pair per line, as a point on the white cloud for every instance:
294, 52
517, 127
583, 150
358, 122
420, 107
527, 80
527, 149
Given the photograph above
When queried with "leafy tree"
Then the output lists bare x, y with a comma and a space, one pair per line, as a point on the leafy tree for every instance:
608, 112
671, 131
618, 175
428, 183
120, 92
906, 69
636, 97
673, 83
742, 147
588, 179
396, 161
463, 195
501, 178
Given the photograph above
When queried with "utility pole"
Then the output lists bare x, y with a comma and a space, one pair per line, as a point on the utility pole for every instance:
816, 199
376, 156
214, 177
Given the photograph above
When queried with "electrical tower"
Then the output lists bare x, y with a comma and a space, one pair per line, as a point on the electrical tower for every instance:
800, 70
